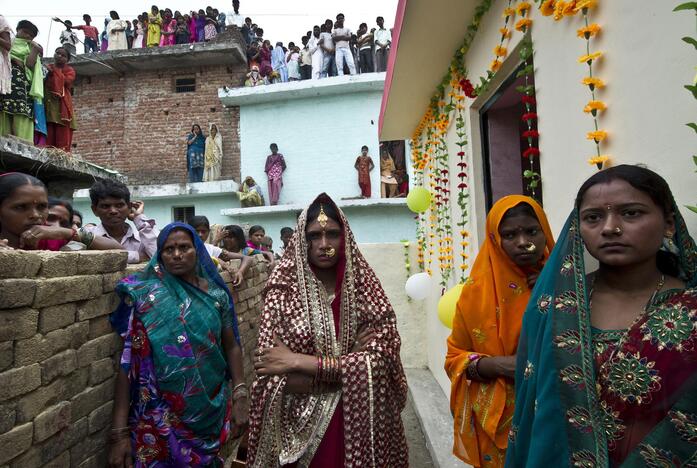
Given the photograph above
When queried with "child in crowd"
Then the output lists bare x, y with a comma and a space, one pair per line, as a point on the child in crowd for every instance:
210, 30
24, 211
293, 63
203, 229
129, 34
181, 33
286, 234
91, 34
137, 33
60, 213
364, 164
77, 219
233, 241
200, 26
256, 238
267, 243
111, 203
68, 38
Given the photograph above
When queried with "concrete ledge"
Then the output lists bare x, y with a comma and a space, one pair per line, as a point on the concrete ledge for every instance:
226, 49
154, 191
433, 412
343, 204
50, 163
304, 89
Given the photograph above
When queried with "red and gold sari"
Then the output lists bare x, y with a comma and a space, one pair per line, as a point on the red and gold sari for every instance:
360, 422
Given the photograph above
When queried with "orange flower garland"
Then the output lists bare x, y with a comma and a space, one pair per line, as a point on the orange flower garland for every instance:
500, 51
594, 106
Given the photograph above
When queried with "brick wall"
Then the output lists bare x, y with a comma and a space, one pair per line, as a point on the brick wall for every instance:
58, 354
137, 124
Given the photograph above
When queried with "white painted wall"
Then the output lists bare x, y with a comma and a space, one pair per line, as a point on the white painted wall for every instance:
387, 260
645, 67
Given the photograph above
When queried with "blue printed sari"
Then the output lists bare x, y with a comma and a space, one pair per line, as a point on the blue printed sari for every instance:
180, 399
597, 398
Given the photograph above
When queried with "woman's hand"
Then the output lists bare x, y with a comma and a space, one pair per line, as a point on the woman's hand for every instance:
532, 279
497, 366
31, 237
237, 278
278, 360
36, 48
240, 416
120, 454
363, 338
298, 383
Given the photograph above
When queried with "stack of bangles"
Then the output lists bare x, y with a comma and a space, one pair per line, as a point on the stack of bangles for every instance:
472, 369
119, 433
328, 372
240, 391
82, 235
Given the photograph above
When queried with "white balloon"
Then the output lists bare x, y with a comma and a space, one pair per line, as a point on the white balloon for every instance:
418, 286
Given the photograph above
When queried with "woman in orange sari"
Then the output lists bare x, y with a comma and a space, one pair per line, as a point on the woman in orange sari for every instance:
482, 347
60, 114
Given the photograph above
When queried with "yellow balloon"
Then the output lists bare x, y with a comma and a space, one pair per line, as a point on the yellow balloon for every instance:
448, 304
418, 199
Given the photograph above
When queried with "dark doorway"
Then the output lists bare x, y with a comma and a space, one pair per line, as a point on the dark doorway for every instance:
502, 128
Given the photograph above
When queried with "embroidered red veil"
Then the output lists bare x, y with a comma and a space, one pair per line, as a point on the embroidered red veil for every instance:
288, 428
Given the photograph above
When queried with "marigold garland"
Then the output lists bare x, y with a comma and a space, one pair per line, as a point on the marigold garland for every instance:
594, 106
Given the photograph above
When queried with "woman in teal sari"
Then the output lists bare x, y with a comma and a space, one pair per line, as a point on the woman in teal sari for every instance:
607, 361
173, 404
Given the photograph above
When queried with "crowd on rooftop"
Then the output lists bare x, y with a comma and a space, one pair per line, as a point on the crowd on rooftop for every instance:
329, 49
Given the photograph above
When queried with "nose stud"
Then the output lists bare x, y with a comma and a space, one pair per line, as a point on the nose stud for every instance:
330, 252
618, 230
531, 248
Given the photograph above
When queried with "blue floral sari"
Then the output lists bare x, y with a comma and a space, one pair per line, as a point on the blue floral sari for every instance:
180, 399
592, 398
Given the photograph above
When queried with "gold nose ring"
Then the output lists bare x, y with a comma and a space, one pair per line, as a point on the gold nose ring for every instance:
618, 230
330, 252
531, 247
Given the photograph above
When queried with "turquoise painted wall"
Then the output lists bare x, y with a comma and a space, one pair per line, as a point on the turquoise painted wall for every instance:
320, 138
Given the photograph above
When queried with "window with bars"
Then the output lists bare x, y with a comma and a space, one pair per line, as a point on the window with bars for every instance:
185, 84
183, 214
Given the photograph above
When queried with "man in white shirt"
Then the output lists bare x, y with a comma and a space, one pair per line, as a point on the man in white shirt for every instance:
306, 59
342, 50
383, 40
326, 43
315, 52
233, 18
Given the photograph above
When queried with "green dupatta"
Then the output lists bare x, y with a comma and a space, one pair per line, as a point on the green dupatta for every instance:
21, 48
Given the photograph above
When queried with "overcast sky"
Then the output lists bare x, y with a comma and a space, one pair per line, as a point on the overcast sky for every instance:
281, 20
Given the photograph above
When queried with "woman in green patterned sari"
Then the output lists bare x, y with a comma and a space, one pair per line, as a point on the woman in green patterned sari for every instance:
607, 361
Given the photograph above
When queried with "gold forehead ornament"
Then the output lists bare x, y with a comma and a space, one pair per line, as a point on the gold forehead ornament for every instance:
322, 217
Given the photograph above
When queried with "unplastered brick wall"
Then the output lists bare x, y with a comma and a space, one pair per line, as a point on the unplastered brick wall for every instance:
137, 124
59, 355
